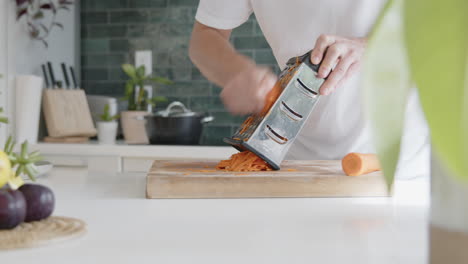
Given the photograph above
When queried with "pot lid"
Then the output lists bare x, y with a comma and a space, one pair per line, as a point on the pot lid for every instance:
176, 109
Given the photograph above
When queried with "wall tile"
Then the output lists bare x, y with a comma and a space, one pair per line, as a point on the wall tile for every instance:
257, 31
193, 11
147, 3
104, 61
161, 59
144, 30
84, 32
176, 30
186, 88
206, 103
180, 58
103, 4
250, 43
117, 45
264, 56
248, 53
245, 29
199, 103
215, 90
111, 88
181, 2
117, 74
172, 43
140, 44
93, 61
109, 31
129, 17
157, 15
180, 14
94, 46
213, 135
94, 74
88, 18
174, 74
197, 75
116, 60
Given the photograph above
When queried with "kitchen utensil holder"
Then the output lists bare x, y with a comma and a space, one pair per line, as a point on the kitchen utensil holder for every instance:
67, 113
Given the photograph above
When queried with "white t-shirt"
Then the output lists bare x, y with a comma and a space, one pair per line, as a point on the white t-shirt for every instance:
337, 125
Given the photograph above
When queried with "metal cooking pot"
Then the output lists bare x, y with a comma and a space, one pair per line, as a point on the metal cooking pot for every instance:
176, 125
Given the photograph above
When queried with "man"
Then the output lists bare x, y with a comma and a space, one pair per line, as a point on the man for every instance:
337, 32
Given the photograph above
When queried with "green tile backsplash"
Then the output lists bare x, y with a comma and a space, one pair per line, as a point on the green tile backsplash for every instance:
112, 30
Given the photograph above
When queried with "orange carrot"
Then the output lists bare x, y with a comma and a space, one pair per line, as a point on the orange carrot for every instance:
355, 164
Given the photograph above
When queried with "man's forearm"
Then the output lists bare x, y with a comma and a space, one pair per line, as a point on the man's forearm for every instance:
213, 54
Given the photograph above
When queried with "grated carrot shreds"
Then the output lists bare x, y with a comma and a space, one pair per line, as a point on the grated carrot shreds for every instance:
244, 161
246, 124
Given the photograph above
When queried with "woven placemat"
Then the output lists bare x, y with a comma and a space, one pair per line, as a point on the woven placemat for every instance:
50, 230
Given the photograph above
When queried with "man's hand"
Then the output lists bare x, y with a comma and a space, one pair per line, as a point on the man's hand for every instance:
246, 92
340, 59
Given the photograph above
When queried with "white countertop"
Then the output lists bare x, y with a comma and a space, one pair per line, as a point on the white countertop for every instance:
121, 149
124, 227
125, 158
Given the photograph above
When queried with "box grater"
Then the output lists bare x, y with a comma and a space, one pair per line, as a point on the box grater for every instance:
271, 135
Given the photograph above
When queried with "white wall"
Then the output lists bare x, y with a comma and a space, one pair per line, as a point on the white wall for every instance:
3, 64
25, 56
62, 45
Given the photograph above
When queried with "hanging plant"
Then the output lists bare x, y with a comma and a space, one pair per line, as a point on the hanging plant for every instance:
39, 24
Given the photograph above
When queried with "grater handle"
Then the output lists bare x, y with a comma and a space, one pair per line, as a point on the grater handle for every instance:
306, 60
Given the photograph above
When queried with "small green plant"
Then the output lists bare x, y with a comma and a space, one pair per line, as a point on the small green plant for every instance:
106, 116
139, 101
3, 119
22, 162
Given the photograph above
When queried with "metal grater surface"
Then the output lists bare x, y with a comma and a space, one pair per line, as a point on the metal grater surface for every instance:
271, 135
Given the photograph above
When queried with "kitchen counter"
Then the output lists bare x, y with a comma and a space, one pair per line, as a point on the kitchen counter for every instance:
124, 227
124, 158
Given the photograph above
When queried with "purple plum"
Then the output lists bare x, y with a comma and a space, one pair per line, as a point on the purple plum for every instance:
40, 201
12, 208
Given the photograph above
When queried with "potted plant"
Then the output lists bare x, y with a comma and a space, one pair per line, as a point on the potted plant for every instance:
423, 42
138, 101
107, 127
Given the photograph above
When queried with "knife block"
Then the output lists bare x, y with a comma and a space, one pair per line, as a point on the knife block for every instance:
67, 114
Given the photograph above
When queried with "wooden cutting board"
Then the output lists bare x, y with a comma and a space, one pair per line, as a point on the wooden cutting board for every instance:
199, 179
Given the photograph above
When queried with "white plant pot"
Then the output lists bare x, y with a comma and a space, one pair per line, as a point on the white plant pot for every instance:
449, 216
107, 132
